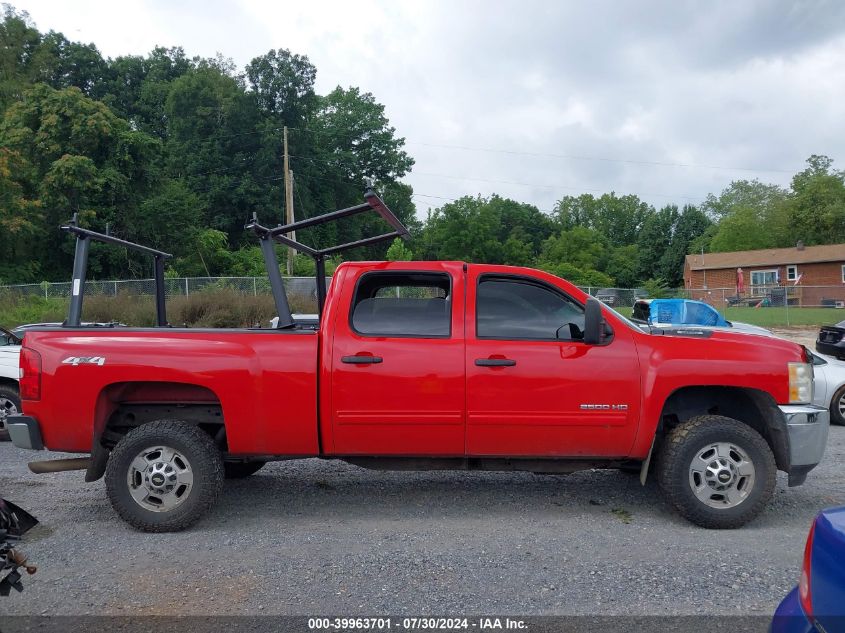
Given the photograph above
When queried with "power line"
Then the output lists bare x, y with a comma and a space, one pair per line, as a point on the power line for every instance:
447, 199
569, 187
512, 182
600, 158
577, 157
654, 163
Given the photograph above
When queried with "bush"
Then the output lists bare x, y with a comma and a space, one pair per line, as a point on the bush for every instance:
214, 307
16, 309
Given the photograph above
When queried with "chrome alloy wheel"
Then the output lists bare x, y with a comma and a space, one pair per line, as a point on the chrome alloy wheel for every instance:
7, 408
721, 475
839, 405
160, 479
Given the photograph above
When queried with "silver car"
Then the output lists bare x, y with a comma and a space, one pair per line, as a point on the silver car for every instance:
829, 386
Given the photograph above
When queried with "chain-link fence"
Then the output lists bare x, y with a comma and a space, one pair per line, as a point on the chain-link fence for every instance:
832, 296
173, 287
772, 296
768, 296
186, 286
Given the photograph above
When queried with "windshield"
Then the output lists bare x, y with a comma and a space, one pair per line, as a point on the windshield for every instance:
7, 338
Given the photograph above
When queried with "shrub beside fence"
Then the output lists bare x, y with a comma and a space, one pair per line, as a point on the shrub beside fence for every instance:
173, 287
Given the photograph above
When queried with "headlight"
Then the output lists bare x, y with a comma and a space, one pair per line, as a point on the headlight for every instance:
800, 383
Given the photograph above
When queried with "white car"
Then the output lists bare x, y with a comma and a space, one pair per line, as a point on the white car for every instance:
10, 400
829, 386
10, 352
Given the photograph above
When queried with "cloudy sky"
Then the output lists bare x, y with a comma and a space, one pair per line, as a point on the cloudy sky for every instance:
540, 99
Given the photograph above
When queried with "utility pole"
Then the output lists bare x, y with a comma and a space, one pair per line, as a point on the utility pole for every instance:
288, 200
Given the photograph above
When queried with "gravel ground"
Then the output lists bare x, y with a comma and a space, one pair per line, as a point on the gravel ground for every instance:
803, 335
321, 537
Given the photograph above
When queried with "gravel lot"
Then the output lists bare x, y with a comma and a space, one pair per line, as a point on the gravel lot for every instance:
320, 537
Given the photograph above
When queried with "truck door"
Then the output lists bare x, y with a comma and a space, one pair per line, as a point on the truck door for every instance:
534, 388
397, 372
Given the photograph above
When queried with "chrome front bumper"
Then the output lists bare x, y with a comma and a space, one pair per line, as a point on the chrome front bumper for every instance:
807, 426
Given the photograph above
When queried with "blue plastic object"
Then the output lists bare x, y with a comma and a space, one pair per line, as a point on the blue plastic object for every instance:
684, 312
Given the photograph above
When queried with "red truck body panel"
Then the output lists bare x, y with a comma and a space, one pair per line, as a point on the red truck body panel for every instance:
427, 398
265, 381
413, 403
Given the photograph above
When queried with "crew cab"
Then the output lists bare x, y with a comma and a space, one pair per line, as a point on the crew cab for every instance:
422, 365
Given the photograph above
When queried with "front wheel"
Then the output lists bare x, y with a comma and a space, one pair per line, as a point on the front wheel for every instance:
718, 472
10, 404
837, 407
164, 476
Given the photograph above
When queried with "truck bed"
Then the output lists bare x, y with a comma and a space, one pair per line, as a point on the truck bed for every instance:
264, 380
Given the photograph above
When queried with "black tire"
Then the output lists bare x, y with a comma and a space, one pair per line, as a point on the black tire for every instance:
10, 401
239, 470
836, 416
693, 438
203, 458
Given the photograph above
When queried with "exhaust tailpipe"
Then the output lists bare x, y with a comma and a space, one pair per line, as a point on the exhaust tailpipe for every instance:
60, 465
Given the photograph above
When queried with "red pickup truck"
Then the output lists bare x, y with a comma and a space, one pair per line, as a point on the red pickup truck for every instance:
424, 365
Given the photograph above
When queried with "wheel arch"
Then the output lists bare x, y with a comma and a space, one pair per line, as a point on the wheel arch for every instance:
9, 382
122, 406
753, 407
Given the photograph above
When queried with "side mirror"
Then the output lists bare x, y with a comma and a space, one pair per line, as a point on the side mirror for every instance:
594, 323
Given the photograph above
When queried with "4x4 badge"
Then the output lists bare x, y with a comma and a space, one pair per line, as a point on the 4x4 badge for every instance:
84, 360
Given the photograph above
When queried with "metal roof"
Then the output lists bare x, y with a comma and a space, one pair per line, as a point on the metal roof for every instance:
768, 257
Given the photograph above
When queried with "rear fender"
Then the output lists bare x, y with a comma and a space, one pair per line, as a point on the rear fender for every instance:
146, 401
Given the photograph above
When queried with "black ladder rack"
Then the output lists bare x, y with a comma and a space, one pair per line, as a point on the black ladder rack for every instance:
280, 234
84, 237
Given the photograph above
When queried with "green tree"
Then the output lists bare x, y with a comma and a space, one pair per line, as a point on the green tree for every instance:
622, 266
493, 230
576, 275
169, 219
654, 240
20, 64
580, 246
619, 219
76, 156
283, 85
398, 252
138, 87
20, 218
750, 215
690, 225
815, 212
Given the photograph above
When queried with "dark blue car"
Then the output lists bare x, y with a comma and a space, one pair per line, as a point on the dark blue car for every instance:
817, 604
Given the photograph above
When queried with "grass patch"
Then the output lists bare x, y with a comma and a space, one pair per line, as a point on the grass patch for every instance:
775, 317
218, 307
622, 514
781, 317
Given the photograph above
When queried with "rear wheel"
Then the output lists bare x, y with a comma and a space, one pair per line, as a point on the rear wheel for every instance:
717, 472
239, 470
837, 407
10, 404
164, 476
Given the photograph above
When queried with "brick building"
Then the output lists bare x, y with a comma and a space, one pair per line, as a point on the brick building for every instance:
807, 276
